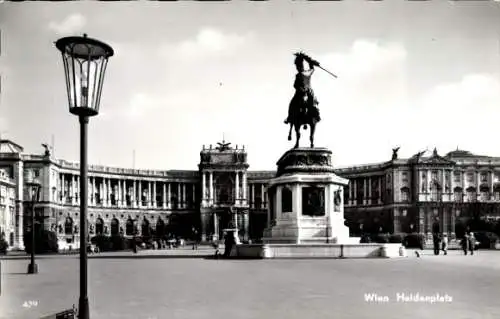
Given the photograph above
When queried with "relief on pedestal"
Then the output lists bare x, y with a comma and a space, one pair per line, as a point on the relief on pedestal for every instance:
313, 201
304, 160
337, 201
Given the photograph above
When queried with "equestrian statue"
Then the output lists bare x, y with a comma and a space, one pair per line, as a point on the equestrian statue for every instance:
303, 110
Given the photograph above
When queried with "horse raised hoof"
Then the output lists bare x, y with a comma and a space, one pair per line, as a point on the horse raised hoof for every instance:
289, 137
296, 145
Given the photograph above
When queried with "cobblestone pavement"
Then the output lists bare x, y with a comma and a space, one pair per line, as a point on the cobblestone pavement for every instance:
170, 285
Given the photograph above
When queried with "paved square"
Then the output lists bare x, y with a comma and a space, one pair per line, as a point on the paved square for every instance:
124, 286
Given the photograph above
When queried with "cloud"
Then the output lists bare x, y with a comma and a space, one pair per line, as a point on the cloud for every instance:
473, 92
71, 24
208, 42
369, 74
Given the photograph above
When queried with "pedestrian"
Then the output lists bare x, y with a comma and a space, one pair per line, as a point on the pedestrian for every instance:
465, 243
228, 243
472, 243
436, 241
444, 244
195, 238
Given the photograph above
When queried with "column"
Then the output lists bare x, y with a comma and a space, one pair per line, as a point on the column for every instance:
204, 222
211, 187
149, 197
164, 196
94, 190
133, 195
492, 193
478, 183
262, 188
194, 196
355, 192
103, 192
429, 179
369, 197
109, 192
78, 192
365, 191
252, 194
453, 218
244, 188
237, 188
380, 190
216, 226
184, 204
203, 188
246, 225
155, 204
118, 196
139, 191
179, 199
169, 196
63, 186
124, 193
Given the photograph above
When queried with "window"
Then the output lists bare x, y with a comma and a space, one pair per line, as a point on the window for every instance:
484, 177
458, 194
471, 194
405, 194
36, 172
470, 177
484, 192
313, 201
435, 191
457, 177
404, 177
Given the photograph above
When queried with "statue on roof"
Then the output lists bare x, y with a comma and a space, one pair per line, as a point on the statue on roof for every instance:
47, 149
395, 153
223, 146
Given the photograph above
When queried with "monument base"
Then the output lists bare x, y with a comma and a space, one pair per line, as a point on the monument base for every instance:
266, 251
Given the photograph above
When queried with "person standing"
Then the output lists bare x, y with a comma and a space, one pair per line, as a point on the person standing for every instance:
444, 244
195, 238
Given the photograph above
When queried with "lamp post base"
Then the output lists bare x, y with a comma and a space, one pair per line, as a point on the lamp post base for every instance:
83, 308
32, 268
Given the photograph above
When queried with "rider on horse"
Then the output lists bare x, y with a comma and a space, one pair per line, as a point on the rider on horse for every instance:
304, 101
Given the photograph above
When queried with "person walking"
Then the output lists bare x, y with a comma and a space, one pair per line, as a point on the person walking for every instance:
465, 243
436, 240
444, 244
472, 243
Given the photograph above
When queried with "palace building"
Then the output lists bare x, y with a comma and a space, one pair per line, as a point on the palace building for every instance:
419, 194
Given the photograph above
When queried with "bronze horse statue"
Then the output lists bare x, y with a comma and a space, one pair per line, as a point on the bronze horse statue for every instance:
306, 115
303, 109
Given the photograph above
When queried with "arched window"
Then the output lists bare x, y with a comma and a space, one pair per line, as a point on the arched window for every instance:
435, 191
145, 228
405, 194
496, 191
99, 226
471, 194
129, 227
286, 200
68, 226
115, 227
484, 191
458, 194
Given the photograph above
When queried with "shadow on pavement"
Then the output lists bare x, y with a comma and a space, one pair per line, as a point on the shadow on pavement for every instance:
144, 256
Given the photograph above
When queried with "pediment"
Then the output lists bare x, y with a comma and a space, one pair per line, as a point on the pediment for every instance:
436, 160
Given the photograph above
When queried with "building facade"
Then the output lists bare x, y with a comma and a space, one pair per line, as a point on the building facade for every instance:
419, 194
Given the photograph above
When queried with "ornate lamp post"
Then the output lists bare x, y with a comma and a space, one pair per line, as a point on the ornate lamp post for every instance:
85, 62
34, 191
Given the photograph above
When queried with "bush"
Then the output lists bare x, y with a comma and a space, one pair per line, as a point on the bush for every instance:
365, 239
414, 241
102, 242
396, 239
45, 242
3, 246
380, 238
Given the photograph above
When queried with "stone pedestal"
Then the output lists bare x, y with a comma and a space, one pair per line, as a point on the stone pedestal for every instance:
306, 200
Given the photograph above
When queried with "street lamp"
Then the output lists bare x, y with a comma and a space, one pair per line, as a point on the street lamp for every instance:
85, 62
34, 191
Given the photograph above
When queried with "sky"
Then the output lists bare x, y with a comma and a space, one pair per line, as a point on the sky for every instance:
411, 74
